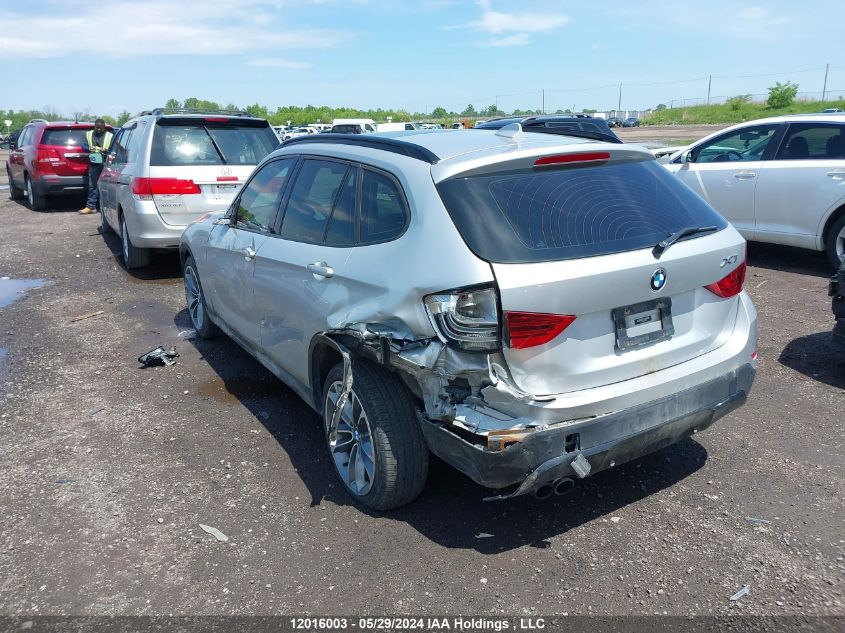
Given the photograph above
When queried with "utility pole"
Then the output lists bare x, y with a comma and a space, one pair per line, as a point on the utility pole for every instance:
497, 104
824, 90
544, 100
619, 106
709, 81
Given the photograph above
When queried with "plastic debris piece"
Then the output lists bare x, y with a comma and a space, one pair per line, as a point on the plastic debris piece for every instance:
215, 533
159, 357
755, 521
96, 410
581, 466
742, 592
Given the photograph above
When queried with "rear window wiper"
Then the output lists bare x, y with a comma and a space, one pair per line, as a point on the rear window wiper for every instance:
216, 146
666, 242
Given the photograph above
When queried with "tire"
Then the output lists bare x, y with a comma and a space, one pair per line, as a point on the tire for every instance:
37, 201
133, 257
397, 451
15, 192
195, 300
835, 246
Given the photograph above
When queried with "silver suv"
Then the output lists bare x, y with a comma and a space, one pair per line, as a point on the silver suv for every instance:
167, 168
531, 308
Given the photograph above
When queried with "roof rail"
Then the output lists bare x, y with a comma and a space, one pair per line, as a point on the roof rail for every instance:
158, 111
393, 145
38, 121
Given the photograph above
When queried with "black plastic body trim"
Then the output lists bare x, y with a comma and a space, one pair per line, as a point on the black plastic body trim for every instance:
393, 145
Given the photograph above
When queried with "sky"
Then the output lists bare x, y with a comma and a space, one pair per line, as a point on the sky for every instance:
106, 57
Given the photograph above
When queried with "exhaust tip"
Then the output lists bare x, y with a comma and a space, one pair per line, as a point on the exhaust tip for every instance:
564, 486
544, 492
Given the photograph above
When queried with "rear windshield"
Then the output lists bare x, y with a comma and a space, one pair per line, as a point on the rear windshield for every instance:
68, 137
531, 216
206, 143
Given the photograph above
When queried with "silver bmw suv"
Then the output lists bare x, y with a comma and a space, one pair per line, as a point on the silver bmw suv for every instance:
166, 168
532, 308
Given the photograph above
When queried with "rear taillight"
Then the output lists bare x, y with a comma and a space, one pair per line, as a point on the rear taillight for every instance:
47, 157
730, 285
466, 318
529, 329
146, 188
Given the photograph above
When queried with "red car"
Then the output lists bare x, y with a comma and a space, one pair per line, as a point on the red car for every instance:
48, 160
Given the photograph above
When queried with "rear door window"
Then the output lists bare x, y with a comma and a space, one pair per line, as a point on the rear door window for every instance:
311, 200
384, 213
341, 228
261, 196
201, 142
532, 216
813, 141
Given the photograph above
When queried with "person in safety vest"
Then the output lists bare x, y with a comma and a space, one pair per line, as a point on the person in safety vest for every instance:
97, 143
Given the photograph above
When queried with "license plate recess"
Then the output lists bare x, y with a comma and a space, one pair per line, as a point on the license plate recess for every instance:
643, 324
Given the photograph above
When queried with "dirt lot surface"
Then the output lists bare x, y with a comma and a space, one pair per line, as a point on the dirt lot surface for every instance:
662, 134
108, 470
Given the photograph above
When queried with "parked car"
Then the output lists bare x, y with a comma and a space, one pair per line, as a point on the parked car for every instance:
366, 126
47, 159
837, 291
557, 124
457, 125
168, 168
631, 121
531, 308
396, 127
779, 180
347, 128
300, 131
832, 110
614, 121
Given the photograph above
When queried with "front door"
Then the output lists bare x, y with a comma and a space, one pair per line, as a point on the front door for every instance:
725, 170
232, 250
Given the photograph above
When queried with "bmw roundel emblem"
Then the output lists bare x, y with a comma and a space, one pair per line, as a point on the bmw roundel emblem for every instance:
658, 280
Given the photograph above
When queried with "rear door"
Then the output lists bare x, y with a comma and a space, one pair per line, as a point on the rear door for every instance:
576, 245
300, 276
802, 184
16, 156
232, 250
724, 171
109, 178
198, 164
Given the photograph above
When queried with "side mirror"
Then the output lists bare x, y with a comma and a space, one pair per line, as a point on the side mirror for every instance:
222, 222
687, 157
13, 144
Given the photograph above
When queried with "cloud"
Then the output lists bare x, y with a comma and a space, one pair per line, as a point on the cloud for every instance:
519, 39
514, 29
279, 63
157, 27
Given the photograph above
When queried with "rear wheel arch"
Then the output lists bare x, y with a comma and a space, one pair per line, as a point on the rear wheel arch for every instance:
834, 224
831, 220
325, 354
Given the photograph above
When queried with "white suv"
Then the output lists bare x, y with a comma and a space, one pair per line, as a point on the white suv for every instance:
778, 180
530, 307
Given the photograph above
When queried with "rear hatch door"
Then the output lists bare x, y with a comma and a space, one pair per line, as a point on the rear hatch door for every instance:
578, 240
62, 147
198, 164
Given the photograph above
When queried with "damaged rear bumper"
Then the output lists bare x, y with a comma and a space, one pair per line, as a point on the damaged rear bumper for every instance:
546, 455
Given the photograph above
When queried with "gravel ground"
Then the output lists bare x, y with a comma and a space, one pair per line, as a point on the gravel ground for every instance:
108, 470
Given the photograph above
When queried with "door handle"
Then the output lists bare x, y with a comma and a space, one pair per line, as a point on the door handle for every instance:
320, 269
837, 174
249, 253
745, 175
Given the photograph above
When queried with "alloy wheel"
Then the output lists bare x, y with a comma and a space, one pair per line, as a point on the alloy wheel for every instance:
840, 244
351, 441
193, 297
124, 235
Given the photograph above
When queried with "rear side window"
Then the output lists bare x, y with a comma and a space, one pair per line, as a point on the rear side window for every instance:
341, 229
532, 216
311, 200
383, 210
813, 141
68, 137
207, 143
